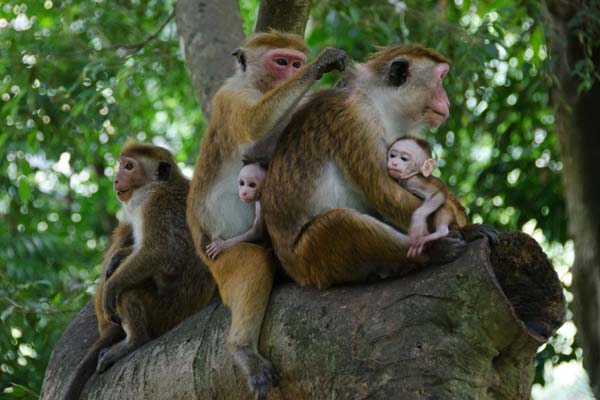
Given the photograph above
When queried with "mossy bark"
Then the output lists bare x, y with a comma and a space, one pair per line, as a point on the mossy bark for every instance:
469, 329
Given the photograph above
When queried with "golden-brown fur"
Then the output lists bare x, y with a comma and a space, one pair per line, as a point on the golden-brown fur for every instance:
333, 212
245, 109
158, 280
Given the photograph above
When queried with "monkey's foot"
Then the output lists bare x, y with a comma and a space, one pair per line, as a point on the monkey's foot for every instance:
446, 249
260, 372
111, 355
480, 231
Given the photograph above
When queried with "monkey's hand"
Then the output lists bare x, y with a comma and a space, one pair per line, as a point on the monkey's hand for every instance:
446, 249
480, 231
213, 249
109, 303
113, 264
328, 60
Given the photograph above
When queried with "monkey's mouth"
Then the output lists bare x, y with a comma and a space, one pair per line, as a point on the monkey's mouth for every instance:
121, 194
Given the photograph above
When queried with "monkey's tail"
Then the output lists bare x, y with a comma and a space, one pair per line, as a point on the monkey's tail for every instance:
86, 368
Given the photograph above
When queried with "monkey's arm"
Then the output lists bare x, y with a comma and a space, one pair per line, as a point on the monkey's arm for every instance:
259, 118
253, 234
141, 265
116, 259
122, 237
418, 221
369, 172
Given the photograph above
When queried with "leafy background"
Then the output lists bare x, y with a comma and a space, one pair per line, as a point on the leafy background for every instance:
78, 77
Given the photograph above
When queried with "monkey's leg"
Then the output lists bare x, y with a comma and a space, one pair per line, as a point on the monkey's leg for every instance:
244, 274
132, 308
344, 246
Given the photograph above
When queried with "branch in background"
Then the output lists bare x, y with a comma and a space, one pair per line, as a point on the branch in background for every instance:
286, 16
209, 31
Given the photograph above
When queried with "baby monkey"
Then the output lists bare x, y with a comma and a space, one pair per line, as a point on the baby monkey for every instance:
250, 182
411, 164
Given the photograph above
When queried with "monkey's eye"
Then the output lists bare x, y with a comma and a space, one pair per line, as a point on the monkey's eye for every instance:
129, 166
392, 155
241, 182
281, 61
404, 158
252, 185
398, 72
297, 64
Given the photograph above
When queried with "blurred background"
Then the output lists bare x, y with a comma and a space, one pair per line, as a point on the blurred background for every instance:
78, 77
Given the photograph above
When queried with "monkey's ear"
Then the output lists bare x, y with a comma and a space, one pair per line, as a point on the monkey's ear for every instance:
427, 167
163, 172
240, 57
398, 72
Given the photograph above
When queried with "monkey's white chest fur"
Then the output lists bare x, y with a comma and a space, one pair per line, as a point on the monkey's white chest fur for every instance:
133, 214
335, 191
226, 215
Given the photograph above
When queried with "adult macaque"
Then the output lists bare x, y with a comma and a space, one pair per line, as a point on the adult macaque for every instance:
331, 208
152, 278
410, 162
250, 181
271, 78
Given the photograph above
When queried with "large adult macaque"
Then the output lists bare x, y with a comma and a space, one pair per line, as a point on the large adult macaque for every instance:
271, 78
331, 208
152, 278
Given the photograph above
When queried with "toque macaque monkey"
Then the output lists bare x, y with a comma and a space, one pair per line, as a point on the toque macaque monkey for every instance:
411, 164
250, 181
333, 213
152, 278
271, 78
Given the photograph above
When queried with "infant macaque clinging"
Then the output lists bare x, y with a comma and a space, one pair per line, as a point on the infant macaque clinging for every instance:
411, 164
250, 181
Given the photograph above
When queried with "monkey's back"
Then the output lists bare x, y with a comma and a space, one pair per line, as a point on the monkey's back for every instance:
305, 178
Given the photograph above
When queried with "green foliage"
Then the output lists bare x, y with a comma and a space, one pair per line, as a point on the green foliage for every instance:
78, 77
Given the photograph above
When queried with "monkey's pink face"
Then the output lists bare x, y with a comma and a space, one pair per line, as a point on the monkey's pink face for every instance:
281, 64
129, 177
438, 108
250, 182
403, 159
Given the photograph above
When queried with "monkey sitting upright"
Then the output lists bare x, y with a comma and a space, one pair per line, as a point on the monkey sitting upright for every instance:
411, 164
333, 213
271, 78
152, 278
250, 182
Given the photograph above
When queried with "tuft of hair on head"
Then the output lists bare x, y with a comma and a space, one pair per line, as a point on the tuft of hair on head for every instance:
134, 148
422, 143
385, 55
275, 39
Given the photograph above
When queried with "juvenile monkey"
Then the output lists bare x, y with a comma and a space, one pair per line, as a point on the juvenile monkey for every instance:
410, 162
271, 78
250, 182
333, 213
152, 278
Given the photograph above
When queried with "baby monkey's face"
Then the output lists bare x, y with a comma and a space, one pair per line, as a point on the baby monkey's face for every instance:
250, 182
405, 158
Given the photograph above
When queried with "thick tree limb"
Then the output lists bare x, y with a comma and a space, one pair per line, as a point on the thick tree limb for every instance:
577, 122
469, 329
209, 31
283, 15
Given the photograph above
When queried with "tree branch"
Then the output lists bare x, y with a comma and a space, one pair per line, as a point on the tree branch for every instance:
469, 329
283, 15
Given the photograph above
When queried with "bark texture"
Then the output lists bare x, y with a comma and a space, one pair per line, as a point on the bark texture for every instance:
469, 329
578, 122
209, 32
283, 15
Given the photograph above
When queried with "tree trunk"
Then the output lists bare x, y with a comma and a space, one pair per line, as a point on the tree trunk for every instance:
209, 32
283, 15
578, 125
469, 329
